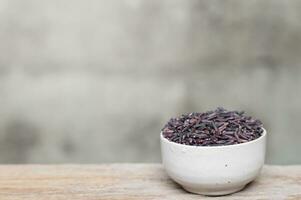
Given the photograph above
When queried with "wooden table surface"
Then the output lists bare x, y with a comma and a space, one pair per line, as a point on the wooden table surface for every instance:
129, 181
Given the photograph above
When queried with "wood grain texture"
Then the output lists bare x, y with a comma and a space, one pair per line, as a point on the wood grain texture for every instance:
129, 181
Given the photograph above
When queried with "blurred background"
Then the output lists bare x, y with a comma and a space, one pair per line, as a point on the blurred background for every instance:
95, 81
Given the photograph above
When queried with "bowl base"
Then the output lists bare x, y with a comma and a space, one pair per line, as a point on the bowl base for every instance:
210, 192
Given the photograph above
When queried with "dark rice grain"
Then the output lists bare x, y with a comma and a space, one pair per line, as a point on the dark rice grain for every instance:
213, 128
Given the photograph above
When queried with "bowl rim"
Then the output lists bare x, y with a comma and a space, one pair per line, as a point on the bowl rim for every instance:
264, 133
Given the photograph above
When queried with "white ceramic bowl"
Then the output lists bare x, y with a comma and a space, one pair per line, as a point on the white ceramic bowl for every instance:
215, 170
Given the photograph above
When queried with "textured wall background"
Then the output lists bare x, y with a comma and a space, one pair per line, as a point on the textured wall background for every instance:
94, 81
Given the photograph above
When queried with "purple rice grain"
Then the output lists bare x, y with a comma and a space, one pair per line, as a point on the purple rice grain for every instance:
213, 128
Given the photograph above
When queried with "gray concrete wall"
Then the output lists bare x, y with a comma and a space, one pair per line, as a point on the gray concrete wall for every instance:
94, 81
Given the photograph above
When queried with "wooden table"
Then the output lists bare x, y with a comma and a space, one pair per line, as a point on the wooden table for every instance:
129, 181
